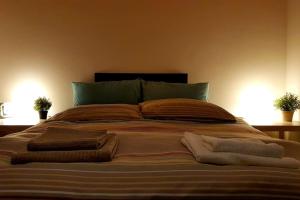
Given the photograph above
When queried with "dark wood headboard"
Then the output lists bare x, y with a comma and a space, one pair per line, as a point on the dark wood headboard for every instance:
166, 77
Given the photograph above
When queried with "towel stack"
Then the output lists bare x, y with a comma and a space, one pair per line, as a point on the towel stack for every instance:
69, 145
237, 151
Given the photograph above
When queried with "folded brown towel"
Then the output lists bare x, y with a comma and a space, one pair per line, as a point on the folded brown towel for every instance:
59, 139
104, 154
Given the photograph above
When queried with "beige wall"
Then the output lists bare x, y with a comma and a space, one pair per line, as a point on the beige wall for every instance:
293, 48
233, 44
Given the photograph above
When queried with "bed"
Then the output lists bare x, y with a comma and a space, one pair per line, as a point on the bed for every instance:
151, 163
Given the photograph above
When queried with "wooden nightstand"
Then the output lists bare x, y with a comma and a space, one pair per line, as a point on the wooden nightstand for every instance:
12, 125
279, 127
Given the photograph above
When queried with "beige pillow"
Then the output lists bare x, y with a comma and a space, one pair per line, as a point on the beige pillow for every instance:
99, 112
185, 109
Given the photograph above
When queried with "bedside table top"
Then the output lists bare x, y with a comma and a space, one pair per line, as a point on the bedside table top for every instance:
18, 122
277, 124
13, 125
279, 127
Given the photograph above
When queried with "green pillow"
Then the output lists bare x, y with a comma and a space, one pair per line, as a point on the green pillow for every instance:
107, 92
163, 90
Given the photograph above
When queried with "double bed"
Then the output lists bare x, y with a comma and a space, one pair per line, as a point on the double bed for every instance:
150, 163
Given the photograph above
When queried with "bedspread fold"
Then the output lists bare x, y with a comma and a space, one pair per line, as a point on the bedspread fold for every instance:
103, 154
249, 146
55, 139
196, 145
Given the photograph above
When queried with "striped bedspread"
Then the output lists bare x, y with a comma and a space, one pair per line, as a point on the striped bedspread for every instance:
163, 181
150, 163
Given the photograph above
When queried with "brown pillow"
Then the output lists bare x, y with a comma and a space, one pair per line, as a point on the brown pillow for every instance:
99, 112
185, 109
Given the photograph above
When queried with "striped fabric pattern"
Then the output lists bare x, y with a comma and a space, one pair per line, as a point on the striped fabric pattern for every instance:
67, 139
103, 154
156, 181
99, 112
150, 163
185, 109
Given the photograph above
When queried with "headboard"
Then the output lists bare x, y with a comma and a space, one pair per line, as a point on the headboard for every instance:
166, 77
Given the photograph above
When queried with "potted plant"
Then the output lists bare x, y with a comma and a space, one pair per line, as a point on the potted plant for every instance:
288, 104
42, 105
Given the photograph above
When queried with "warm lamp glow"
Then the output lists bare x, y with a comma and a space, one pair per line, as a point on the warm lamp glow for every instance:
256, 104
23, 96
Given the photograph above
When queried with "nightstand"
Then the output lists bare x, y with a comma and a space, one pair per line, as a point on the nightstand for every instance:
12, 125
279, 127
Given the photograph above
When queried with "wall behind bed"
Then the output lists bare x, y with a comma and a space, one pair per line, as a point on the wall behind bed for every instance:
233, 44
293, 49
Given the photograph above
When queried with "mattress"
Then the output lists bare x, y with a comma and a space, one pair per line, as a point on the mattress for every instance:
150, 163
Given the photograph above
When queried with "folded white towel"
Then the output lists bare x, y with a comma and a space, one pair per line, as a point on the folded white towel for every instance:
242, 145
195, 144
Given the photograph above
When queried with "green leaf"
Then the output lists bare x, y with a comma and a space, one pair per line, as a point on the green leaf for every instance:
288, 102
42, 104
